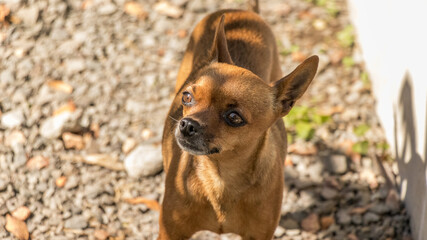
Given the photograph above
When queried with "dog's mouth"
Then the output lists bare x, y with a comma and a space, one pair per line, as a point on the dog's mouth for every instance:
196, 148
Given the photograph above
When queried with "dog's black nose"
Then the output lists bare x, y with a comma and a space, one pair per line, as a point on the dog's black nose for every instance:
189, 127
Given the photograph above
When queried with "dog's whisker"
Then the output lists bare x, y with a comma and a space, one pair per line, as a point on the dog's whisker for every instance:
173, 118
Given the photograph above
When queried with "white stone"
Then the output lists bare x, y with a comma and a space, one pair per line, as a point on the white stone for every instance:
144, 160
53, 126
12, 119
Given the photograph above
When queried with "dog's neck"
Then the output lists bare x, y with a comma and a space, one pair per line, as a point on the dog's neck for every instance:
231, 173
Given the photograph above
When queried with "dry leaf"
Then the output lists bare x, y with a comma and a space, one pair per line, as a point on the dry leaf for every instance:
288, 161
94, 127
103, 160
305, 15
135, 9
332, 182
4, 12
161, 52
73, 141
360, 210
60, 86
298, 56
302, 149
352, 236
128, 145
37, 162
182, 33
326, 221
331, 110
336, 56
17, 227
70, 107
87, 4
21, 213
101, 234
60, 182
152, 204
15, 20
166, 8
346, 146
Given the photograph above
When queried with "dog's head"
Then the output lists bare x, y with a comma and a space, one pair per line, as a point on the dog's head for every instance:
228, 108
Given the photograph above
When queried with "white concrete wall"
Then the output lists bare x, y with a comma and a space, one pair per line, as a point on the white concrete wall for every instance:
393, 38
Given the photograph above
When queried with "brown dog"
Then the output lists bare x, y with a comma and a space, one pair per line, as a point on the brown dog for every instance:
224, 142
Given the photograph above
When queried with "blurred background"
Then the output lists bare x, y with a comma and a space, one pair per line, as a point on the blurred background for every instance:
85, 87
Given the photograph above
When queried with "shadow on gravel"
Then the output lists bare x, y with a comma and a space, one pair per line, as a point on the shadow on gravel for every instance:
322, 204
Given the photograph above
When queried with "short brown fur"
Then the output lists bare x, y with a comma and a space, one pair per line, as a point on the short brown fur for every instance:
228, 179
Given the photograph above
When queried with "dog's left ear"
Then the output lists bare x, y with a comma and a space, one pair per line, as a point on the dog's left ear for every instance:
219, 49
291, 87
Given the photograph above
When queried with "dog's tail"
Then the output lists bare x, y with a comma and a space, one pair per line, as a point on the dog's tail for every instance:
253, 6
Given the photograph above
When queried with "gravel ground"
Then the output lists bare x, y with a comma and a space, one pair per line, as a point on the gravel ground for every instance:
85, 89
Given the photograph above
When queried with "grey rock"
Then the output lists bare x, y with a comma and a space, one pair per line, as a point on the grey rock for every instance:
196, 6
343, 217
29, 15
144, 160
279, 231
293, 232
291, 174
93, 191
289, 223
336, 164
315, 170
76, 222
75, 65
379, 208
19, 156
356, 219
370, 218
6, 77
107, 9
12, 119
72, 182
3, 185
326, 207
53, 126
329, 193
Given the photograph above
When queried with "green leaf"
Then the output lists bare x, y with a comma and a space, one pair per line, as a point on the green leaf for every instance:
290, 138
348, 61
361, 147
365, 79
346, 36
332, 8
320, 119
361, 129
297, 113
383, 146
304, 130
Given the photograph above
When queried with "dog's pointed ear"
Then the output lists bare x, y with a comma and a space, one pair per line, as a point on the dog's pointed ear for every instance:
291, 87
219, 47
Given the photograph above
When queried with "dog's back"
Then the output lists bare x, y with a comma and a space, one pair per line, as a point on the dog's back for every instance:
249, 40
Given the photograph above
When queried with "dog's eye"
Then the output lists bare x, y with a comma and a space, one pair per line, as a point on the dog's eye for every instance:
187, 98
234, 119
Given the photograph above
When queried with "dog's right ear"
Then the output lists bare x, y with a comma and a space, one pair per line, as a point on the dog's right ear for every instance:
219, 51
291, 87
